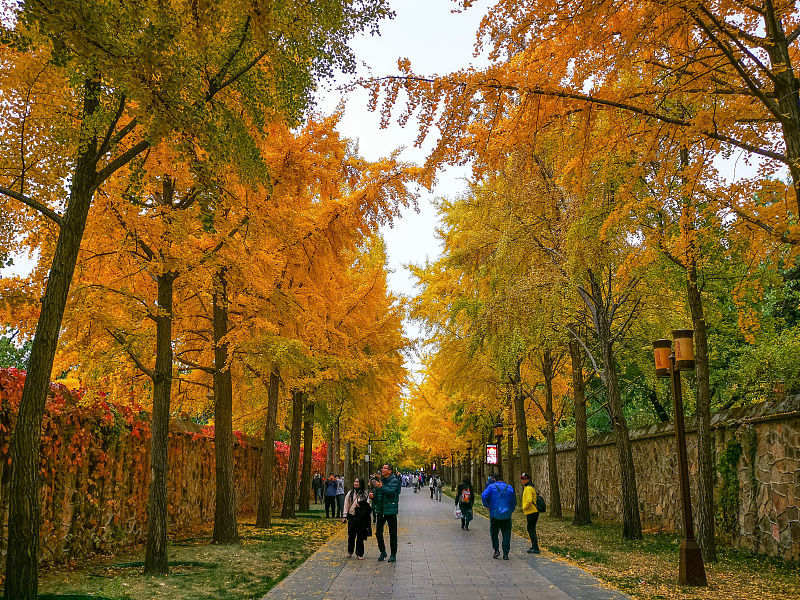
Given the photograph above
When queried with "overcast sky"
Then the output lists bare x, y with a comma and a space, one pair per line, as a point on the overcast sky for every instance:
436, 41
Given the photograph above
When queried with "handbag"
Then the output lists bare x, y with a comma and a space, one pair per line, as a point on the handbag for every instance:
457, 513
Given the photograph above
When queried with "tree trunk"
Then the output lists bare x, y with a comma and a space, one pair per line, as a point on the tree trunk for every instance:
552, 462
499, 465
155, 559
290, 494
264, 515
520, 419
336, 448
510, 454
631, 520
582, 512
329, 451
225, 531
706, 471
348, 465
787, 93
308, 449
22, 558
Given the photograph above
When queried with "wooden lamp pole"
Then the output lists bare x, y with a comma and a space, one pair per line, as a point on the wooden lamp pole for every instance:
670, 364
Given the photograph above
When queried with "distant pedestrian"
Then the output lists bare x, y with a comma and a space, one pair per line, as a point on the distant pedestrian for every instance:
330, 496
339, 496
387, 495
465, 498
531, 511
317, 486
439, 486
432, 485
357, 510
500, 499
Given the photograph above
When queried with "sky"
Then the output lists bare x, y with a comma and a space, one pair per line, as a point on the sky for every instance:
436, 41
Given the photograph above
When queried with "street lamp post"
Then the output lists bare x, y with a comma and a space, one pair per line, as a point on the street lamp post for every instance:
368, 456
670, 363
498, 434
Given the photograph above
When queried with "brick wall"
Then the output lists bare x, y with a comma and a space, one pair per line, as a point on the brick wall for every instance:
94, 473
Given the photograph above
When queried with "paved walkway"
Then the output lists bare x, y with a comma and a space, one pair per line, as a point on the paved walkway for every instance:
436, 560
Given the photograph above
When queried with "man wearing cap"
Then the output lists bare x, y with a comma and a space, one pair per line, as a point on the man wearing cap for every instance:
385, 501
530, 510
501, 500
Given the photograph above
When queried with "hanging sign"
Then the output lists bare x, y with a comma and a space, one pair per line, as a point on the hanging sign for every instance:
491, 454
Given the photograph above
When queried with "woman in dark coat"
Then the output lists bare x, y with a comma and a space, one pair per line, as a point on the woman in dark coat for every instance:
357, 512
465, 498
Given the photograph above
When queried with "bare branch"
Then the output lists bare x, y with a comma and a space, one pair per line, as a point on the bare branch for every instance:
597, 369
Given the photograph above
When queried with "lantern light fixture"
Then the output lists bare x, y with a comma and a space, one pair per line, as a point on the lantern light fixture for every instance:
498, 429
684, 349
662, 350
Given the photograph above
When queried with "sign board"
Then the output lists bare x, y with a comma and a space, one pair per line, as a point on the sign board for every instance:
491, 454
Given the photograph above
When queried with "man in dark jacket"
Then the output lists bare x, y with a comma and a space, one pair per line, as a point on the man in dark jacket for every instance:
500, 499
387, 495
330, 496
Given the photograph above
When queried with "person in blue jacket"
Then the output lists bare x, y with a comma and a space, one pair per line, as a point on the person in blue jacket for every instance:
500, 499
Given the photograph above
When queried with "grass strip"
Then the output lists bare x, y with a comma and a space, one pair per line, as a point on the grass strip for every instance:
199, 571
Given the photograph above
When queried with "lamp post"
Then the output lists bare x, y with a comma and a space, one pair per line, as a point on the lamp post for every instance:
368, 456
498, 434
670, 363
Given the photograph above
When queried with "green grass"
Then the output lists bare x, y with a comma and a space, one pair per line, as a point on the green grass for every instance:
199, 570
648, 568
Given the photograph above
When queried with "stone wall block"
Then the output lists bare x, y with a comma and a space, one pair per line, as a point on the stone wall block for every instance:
768, 475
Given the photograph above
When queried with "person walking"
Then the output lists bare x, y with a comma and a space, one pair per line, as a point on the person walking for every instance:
500, 499
387, 494
317, 485
339, 496
465, 498
330, 496
432, 485
357, 510
439, 486
530, 510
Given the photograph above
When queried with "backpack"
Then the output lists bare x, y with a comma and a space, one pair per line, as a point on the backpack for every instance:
466, 495
541, 506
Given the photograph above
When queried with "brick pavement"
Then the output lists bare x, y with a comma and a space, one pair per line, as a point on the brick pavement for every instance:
436, 560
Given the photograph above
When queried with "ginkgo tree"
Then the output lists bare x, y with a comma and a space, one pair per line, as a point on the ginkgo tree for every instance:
126, 78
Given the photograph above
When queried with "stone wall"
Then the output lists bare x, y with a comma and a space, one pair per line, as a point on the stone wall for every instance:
757, 453
94, 473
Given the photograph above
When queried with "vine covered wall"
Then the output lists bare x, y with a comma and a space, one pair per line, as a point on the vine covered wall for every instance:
94, 473
757, 495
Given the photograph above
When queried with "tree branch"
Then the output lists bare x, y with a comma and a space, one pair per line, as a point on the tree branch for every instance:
120, 339
34, 204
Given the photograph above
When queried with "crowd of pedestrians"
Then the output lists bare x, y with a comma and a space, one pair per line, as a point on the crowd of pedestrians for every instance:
376, 502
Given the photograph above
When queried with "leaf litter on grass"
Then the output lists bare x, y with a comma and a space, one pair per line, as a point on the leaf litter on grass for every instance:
201, 570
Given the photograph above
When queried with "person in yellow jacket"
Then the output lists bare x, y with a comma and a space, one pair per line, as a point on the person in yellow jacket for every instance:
530, 510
